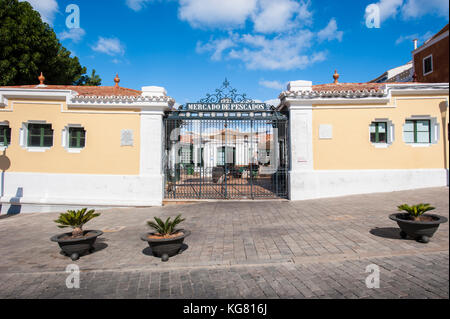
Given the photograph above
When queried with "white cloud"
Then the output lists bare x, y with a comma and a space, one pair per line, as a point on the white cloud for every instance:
418, 8
280, 15
217, 46
136, 5
276, 85
274, 102
47, 9
75, 34
268, 16
412, 8
330, 32
110, 46
279, 40
262, 52
389, 8
420, 38
216, 13
279, 53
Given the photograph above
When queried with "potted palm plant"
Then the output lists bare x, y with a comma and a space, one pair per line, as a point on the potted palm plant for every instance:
415, 223
79, 241
166, 240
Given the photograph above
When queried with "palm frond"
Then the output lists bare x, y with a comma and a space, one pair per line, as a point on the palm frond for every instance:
416, 210
167, 227
75, 219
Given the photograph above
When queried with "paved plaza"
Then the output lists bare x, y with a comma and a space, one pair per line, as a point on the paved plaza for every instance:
261, 249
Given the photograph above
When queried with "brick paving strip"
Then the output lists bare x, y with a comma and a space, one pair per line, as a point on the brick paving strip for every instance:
416, 276
309, 249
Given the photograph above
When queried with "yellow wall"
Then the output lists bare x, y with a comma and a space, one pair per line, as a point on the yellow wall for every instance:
350, 147
102, 154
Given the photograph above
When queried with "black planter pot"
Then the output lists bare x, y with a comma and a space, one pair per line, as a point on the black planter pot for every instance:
165, 247
419, 230
75, 247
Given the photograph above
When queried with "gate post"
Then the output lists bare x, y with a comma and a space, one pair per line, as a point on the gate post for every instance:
152, 143
301, 140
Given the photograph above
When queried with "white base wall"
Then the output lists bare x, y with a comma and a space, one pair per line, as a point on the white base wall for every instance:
42, 191
322, 184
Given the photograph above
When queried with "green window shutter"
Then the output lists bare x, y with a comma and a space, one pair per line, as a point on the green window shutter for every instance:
40, 135
423, 130
408, 132
77, 137
417, 131
378, 132
5, 135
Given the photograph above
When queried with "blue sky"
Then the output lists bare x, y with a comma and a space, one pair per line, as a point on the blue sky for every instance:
190, 46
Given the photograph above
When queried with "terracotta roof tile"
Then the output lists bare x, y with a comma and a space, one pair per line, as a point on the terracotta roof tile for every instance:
86, 90
331, 87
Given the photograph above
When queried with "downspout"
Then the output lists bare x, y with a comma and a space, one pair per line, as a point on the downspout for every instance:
447, 140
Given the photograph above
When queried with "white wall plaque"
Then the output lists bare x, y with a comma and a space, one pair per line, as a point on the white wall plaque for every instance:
126, 138
326, 132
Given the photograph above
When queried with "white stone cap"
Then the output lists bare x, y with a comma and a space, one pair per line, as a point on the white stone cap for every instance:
299, 86
153, 91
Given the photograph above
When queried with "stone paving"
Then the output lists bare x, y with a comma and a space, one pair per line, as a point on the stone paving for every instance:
264, 249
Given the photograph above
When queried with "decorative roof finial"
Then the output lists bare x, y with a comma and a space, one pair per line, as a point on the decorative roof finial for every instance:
336, 77
117, 80
41, 79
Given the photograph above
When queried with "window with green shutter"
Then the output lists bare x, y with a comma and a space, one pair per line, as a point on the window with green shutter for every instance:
417, 131
40, 135
5, 135
77, 137
378, 132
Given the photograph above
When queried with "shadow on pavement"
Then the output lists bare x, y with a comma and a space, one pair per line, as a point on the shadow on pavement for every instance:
386, 232
148, 251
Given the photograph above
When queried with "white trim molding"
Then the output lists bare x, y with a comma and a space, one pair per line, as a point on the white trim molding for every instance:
306, 98
431, 42
423, 65
151, 99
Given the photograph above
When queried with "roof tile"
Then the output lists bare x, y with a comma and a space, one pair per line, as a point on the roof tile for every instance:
85, 90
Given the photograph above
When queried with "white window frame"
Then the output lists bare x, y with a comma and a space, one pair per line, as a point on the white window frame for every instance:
434, 130
423, 62
390, 129
65, 143
23, 138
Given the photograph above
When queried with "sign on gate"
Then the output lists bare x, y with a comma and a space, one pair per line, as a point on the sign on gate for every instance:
227, 105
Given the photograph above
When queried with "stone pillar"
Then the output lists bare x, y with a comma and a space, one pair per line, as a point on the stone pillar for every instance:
301, 141
152, 144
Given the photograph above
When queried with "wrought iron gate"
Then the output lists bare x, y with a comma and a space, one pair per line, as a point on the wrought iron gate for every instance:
226, 147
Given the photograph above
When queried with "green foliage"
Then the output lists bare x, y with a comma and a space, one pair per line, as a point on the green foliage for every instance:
93, 80
76, 219
29, 46
165, 228
415, 210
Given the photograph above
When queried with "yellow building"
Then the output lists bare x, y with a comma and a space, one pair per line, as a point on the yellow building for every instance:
354, 138
65, 146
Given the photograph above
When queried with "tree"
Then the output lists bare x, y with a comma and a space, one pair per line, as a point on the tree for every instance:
93, 80
29, 46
